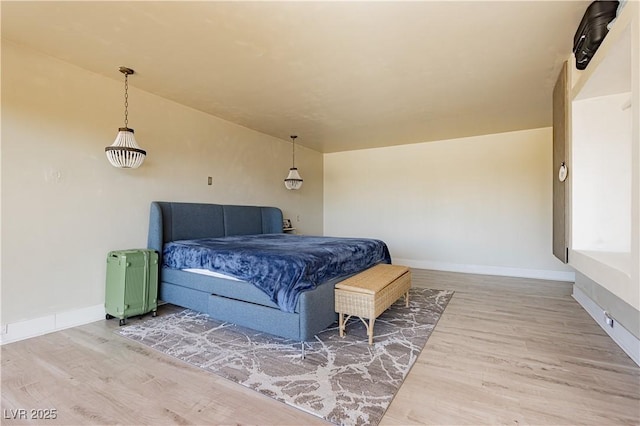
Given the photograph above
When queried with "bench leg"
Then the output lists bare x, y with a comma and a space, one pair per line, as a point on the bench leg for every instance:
406, 299
341, 324
370, 330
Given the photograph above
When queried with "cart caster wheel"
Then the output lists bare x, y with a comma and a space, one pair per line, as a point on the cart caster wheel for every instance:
108, 316
122, 322
154, 314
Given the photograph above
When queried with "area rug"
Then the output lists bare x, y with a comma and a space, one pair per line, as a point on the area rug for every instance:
342, 380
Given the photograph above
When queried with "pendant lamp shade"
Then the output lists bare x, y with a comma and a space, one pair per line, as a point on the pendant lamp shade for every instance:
124, 152
293, 180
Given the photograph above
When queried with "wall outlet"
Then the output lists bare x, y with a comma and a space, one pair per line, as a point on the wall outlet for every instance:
4, 329
210, 180
608, 319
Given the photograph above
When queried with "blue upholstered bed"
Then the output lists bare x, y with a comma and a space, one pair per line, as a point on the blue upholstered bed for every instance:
181, 232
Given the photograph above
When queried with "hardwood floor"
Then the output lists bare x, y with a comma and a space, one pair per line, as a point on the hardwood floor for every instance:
506, 351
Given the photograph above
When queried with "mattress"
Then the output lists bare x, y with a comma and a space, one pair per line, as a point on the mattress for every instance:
211, 273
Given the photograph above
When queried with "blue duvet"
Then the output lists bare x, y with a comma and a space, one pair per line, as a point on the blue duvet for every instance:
281, 265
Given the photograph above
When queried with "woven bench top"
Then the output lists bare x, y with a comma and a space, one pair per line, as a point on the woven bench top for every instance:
373, 279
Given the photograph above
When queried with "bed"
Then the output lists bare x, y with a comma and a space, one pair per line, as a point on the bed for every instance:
204, 250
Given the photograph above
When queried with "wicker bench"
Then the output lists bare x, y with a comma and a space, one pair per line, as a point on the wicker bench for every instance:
370, 293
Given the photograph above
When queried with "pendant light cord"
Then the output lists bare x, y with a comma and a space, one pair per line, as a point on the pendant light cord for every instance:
293, 151
126, 100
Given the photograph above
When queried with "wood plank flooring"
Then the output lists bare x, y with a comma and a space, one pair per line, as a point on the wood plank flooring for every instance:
506, 351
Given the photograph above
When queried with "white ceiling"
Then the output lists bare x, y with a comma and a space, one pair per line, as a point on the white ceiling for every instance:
341, 75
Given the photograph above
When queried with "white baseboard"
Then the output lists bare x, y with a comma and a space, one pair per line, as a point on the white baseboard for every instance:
541, 274
623, 338
21, 330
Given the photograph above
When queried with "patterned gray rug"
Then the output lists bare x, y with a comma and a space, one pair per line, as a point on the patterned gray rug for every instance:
342, 380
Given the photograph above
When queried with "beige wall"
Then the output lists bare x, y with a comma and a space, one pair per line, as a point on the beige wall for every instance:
480, 204
64, 207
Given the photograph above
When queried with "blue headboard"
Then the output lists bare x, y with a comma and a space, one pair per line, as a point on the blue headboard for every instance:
170, 221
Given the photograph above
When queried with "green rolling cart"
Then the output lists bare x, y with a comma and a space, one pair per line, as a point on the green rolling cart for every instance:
132, 283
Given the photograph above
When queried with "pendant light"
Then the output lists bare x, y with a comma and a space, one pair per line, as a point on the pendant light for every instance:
293, 180
125, 153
